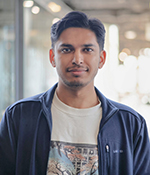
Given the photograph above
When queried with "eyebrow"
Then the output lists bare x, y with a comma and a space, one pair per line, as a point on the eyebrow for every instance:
84, 45
66, 45
89, 45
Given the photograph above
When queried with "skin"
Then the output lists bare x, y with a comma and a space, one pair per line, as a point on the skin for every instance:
77, 58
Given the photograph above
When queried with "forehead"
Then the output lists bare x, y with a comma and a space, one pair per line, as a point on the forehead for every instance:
77, 36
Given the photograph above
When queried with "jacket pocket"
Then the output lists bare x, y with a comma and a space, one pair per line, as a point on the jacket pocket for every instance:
118, 161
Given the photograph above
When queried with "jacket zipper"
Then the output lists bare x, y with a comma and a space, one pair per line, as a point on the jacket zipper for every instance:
107, 148
100, 152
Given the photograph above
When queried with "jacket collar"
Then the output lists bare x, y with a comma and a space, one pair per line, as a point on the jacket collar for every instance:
108, 108
46, 100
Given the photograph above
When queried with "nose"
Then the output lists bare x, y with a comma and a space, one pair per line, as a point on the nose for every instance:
77, 58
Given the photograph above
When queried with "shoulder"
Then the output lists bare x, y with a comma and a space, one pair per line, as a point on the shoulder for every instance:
132, 122
127, 110
32, 105
44, 98
118, 108
26, 102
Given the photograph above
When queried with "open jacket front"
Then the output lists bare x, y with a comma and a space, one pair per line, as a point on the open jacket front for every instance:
25, 134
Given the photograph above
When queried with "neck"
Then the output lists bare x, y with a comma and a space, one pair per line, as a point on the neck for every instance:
85, 97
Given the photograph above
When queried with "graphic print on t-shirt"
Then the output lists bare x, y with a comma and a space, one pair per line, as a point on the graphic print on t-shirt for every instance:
72, 159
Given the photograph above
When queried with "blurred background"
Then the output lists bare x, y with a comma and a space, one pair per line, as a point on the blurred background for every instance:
25, 42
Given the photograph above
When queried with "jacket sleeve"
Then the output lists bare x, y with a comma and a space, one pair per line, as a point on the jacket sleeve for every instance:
7, 145
142, 152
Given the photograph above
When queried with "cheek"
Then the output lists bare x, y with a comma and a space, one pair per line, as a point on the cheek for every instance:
57, 61
60, 65
95, 62
63, 62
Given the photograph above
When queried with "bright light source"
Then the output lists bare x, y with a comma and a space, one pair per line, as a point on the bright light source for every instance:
113, 34
55, 20
131, 61
127, 51
141, 51
35, 10
122, 56
143, 74
28, 3
130, 35
125, 79
54, 7
147, 31
147, 52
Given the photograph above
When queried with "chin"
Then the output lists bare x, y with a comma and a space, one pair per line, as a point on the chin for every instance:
75, 84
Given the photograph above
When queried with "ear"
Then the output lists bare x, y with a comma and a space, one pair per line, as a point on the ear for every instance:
52, 57
102, 59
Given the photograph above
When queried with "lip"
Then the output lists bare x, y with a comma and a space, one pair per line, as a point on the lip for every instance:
77, 71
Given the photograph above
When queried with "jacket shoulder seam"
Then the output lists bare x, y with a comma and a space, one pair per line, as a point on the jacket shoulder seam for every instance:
137, 115
10, 108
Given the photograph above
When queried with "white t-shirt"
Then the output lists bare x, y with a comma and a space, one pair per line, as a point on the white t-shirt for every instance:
74, 139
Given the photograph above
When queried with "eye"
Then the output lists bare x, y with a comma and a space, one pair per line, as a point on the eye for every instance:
87, 49
66, 50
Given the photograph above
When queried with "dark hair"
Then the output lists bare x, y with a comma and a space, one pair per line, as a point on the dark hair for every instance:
78, 19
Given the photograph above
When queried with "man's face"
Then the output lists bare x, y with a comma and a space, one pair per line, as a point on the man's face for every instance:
77, 57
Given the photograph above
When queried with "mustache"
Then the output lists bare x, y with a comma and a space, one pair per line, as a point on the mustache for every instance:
77, 67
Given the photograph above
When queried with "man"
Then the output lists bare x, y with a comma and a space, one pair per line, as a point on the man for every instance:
72, 128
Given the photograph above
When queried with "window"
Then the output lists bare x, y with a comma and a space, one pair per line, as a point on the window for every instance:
7, 54
38, 73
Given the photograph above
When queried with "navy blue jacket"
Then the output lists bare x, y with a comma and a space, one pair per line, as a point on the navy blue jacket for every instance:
25, 134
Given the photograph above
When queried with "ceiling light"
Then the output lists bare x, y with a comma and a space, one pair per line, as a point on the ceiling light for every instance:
130, 35
35, 10
54, 7
28, 3
55, 20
